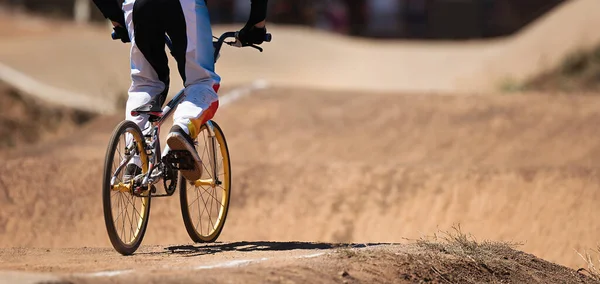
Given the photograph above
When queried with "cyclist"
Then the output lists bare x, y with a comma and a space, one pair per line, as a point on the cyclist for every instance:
144, 24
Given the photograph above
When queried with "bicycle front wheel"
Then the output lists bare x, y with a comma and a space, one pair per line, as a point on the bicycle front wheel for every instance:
125, 213
205, 202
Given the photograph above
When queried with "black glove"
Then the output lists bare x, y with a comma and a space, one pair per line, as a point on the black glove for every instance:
122, 34
252, 35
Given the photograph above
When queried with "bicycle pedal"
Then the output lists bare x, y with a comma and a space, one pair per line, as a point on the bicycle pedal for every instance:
180, 160
140, 190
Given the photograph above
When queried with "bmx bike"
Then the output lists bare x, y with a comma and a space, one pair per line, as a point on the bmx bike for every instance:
204, 202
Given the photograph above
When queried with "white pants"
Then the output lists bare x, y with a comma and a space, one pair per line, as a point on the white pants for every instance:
188, 25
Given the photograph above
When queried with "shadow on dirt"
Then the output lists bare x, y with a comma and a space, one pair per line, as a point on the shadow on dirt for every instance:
197, 250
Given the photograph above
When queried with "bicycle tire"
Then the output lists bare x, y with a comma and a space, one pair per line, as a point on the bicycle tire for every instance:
185, 188
119, 241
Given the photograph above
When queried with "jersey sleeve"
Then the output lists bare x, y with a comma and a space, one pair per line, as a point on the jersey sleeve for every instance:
111, 10
258, 12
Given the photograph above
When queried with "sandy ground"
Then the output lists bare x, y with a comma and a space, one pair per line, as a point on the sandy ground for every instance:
269, 262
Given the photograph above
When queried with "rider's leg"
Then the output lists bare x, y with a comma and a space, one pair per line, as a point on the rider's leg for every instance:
196, 66
149, 64
149, 69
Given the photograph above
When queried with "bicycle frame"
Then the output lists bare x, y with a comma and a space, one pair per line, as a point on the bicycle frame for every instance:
155, 146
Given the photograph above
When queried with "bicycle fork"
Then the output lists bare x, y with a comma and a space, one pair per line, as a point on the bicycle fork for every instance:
213, 151
212, 155
153, 152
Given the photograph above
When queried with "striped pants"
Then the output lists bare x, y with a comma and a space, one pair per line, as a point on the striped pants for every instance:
188, 25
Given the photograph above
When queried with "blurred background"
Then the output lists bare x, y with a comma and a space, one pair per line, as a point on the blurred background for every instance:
374, 121
424, 19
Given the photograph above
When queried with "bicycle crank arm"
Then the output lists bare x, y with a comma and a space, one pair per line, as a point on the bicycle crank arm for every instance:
128, 187
122, 187
206, 182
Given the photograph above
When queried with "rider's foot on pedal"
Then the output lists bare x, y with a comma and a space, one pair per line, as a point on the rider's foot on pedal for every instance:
179, 140
131, 171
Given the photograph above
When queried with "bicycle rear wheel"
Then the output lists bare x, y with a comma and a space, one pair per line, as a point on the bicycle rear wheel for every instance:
125, 214
205, 203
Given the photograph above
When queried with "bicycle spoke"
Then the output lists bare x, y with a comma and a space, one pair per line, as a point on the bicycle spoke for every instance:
199, 212
131, 231
210, 222
206, 170
126, 218
199, 219
218, 200
219, 159
119, 146
134, 219
210, 212
118, 211
213, 196
116, 160
127, 236
122, 220
204, 209
122, 216
115, 165
195, 200
122, 207
206, 148
133, 204
210, 229
207, 212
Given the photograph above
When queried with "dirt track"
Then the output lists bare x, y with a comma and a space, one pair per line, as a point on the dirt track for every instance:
292, 262
349, 168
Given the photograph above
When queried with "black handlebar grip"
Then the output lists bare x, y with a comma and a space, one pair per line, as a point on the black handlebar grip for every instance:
268, 37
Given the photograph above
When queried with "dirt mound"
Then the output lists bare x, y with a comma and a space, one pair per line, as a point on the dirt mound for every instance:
579, 72
459, 259
341, 167
24, 120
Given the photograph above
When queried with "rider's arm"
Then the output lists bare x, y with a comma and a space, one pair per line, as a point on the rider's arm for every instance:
258, 13
111, 10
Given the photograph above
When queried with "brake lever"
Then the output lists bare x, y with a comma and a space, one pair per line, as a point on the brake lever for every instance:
256, 47
238, 43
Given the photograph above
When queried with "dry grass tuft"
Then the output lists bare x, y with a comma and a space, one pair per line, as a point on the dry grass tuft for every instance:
456, 242
579, 71
592, 270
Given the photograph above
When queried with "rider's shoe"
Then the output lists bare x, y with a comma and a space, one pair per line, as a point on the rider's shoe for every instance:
179, 140
131, 171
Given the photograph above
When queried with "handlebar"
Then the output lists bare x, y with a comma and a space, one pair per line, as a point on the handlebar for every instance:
216, 44
219, 43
